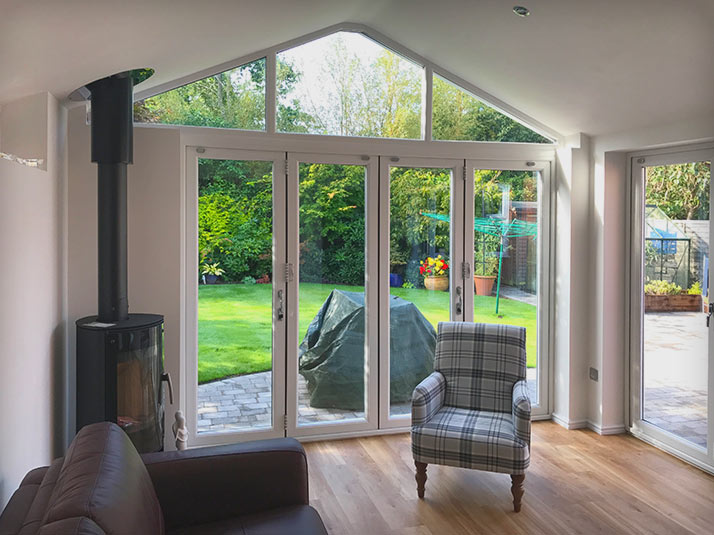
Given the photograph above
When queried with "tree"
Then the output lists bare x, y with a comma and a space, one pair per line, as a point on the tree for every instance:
354, 97
458, 115
681, 190
231, 99
332, 223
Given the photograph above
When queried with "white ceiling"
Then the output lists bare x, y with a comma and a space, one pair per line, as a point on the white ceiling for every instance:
594, 67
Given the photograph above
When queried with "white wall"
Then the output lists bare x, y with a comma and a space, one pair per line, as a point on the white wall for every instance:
155, 204
572, 280
24, 127
32, 327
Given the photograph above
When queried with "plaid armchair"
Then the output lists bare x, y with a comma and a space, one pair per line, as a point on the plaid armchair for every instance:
473, 411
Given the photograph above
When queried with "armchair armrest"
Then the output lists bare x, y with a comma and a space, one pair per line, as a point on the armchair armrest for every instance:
215, 483
521, 411
428, 398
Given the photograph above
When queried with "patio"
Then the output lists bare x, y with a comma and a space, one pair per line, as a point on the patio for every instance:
244, 402
675, 374
674, 382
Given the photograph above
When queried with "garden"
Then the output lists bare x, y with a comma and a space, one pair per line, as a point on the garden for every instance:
234, 322
235, 245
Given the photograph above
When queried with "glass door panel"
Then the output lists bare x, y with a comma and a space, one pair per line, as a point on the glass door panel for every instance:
505, 255
423, 277
505, 241
671, 346
239, 229
330, 352
675, 356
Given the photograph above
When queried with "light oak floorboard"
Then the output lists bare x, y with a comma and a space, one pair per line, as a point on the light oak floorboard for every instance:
578, 483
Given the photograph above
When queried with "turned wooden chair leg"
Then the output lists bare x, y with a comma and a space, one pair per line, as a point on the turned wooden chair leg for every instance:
517, 490
420, 477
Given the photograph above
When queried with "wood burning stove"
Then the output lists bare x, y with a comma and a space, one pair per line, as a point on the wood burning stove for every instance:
120, 371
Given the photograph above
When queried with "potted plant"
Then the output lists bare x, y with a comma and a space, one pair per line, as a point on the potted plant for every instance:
211, 272
435, 273
485, 275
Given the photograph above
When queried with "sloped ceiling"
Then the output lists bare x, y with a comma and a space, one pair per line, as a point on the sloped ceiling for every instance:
594, 67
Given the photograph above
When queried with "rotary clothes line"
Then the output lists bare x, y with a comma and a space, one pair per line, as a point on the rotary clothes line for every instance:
515, 228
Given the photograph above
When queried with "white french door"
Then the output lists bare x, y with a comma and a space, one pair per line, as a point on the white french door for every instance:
421, 228
671, 344
507, 252
332, 294
231, 330
366, 254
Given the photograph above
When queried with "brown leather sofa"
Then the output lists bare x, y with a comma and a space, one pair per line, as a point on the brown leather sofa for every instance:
102, 486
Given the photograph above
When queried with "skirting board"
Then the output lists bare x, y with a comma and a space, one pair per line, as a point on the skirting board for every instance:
584, 423
570, 424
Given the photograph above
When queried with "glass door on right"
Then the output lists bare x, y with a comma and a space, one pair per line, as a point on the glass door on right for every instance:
672, 229
507, 208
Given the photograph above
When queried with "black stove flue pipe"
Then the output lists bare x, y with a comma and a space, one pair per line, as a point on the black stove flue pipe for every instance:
112, 150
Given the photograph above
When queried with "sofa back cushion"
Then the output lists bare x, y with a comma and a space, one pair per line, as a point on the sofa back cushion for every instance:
103, 479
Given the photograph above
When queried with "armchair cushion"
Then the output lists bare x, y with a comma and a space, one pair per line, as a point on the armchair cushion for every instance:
480, 362
428, 398
480, 440
521, 411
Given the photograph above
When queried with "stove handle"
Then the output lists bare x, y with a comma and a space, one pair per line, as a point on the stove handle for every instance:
166, 376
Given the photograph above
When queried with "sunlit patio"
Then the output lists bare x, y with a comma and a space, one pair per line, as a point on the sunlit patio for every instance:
675, 374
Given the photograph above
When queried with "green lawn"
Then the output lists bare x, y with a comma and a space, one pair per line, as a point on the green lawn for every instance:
234, 330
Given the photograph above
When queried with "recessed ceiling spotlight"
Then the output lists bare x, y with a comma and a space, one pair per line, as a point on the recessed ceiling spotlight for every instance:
521, 11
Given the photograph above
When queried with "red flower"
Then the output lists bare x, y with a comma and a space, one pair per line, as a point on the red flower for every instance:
421, 270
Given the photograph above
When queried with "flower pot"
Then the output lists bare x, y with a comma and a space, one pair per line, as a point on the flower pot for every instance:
395, 280
438, 284
211, 279
484, 284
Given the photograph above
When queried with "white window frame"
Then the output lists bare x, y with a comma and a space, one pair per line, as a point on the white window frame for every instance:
370, 422
456, 194
250, 142
190, 324
700, 457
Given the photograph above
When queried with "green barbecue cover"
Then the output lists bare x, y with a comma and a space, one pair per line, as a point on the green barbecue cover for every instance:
332, 354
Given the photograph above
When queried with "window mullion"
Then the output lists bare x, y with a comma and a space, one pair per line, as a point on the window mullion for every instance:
426, 104
270, 93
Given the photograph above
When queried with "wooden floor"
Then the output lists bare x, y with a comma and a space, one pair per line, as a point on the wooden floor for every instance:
578, 482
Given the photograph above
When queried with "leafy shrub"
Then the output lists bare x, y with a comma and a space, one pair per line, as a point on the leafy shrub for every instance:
248, 280
487, 268
408, 285
695, 289
659, 287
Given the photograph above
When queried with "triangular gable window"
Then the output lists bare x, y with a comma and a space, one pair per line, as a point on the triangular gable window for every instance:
342, 84
230, 99
349, 85
459, 116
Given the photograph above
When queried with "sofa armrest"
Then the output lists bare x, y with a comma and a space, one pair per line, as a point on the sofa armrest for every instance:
428, 398
215, 483
521, 411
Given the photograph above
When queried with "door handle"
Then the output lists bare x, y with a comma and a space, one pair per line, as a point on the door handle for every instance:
281, 309
166, 376
459, 302
709, 313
